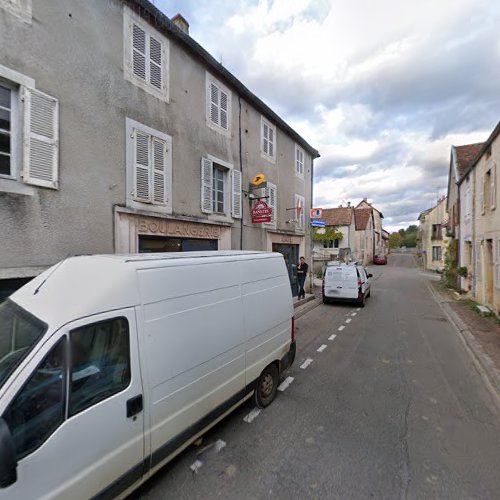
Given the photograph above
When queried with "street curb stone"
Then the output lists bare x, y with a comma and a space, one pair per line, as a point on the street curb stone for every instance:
482, 362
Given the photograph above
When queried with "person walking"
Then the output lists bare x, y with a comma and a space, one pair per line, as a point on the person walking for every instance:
301, 276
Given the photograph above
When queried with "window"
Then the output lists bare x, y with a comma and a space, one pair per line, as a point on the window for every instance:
5, 131
299, 161
436, 232
146, 56
100, 363
268, 139
486, 199
331, 243
218, 105
149, 172
493, 186
220, 188
271, 194
218, 191
497, 263
38, 409
299, 211
436, 253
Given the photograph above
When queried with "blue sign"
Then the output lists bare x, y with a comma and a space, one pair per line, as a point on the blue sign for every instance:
318, 223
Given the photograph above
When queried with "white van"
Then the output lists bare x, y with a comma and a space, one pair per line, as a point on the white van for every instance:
346, 282
112, 365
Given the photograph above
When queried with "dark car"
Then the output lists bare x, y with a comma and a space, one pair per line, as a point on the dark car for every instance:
380, 259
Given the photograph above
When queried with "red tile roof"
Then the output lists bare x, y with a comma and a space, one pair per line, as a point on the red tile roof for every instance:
466, 155
361, 218
341, 216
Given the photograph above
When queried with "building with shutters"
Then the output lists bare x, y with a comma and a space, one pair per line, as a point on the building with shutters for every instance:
120, 133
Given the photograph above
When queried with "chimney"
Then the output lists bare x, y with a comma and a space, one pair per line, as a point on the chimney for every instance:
181, 23
365, 200
348, 204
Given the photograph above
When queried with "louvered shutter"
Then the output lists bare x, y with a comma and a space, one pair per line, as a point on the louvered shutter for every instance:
270, 132
223, 110
265, 130
206, 185
493, 186
271, 200
142, 182
41, 139
214, 103
236, 189
159, 171
138, 51
155, 63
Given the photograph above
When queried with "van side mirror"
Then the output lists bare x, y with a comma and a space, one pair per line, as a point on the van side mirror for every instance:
8, 461
370, 275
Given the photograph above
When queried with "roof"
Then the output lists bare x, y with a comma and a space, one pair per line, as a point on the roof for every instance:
82, 286
482, 150
465, 155
341, 216
163, 23
370, 205
361, 218
421, 215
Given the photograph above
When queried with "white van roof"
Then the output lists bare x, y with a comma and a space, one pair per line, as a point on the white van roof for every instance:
82, 286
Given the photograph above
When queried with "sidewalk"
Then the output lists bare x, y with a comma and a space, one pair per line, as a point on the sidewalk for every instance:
481, 334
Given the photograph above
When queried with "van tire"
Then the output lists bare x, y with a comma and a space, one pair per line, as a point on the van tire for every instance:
325, 300
361, 301
267, 386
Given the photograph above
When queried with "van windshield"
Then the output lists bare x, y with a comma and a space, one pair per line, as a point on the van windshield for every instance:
19, 332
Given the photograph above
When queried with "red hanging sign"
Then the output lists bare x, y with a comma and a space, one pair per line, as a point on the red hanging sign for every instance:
261, 213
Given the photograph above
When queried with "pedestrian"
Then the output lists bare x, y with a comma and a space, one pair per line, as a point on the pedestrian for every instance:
301, 276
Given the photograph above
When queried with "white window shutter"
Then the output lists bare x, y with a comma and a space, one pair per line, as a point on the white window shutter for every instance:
223, 110
155, 63
142, 166
138, 51
493, 187
159, 171
214, 103
206, 185
265, 130
237, 198
41, 139
271, 200
271, 141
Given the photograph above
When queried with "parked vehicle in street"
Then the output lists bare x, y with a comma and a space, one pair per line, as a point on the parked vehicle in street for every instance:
380, 259
114, 364
346, 282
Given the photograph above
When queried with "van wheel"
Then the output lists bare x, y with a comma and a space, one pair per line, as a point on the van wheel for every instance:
267, 386
369, 294
325, 300
361, 301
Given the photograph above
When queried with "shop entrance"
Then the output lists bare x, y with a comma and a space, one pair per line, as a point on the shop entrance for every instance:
291, 255
165, 244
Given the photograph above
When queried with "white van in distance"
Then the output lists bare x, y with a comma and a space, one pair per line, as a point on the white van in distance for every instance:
346, 282
111, 365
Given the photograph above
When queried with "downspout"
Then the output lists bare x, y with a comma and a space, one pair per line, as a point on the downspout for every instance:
311, 244
241, 170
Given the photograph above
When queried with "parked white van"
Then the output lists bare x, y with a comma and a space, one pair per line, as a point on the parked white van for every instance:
346, 282
111, 365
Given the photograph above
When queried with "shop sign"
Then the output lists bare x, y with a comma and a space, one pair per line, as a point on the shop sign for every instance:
261, 213
177, 228
316, 213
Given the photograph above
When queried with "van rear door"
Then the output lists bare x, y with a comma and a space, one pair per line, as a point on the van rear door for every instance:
334, 281
350, 285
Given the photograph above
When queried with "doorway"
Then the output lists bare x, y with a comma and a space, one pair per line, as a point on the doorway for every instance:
291, 256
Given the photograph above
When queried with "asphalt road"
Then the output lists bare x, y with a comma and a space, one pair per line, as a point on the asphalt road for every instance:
391, 408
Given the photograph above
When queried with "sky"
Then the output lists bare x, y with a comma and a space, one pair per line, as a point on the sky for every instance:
382, 88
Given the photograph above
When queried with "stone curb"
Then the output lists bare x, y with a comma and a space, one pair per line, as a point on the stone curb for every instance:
305, 308
482, 362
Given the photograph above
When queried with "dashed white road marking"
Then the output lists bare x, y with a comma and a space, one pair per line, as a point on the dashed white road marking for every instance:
348, 320
358, 309
331, 337
341, 327
354, 314
285, 384
252, 416
196, 465
219, 444
306, 363
321, 348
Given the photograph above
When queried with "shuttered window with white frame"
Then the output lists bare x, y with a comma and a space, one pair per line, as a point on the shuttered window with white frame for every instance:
236, 202
146, 56
268, 139
299, 160
271, 193
41, 139
299, 211
206, 185
218, 99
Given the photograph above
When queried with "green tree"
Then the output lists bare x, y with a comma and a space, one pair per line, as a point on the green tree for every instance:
329, 233
395, 240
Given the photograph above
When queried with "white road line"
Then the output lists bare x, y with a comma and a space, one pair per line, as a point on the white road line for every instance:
306, 363
348, 320
219, 444
321, 348
341, 327
285, 384
331, 337
354, 314
251, 416
196, 465
358, 309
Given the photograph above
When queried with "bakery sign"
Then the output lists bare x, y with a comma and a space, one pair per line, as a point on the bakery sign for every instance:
261, 213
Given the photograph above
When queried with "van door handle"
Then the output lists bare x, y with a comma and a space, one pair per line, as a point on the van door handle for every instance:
134, 406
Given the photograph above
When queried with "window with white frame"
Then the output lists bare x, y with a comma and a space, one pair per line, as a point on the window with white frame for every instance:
6, 129
299, 211
221, 187
146, 54
218, 99
436, 253
271, 194
268, 140
149, 167
299, 161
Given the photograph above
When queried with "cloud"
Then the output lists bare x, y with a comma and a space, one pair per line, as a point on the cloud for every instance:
382, 89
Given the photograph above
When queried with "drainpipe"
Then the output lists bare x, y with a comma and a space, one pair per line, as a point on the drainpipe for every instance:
311, 262
241, 170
